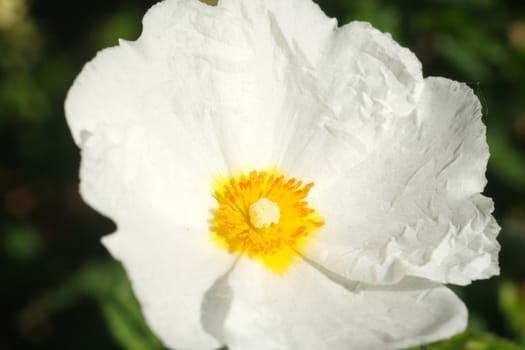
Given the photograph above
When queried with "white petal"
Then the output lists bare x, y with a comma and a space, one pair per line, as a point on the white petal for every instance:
274, 86
251, 62
364, 80
171, 270
305, 310
412, 205
297, 26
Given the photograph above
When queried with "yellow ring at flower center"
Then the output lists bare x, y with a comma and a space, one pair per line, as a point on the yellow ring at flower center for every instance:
265, 216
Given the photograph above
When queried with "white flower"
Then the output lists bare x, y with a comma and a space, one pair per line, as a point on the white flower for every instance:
189, 135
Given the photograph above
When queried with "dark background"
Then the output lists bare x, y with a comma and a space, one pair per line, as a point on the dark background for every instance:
59, 289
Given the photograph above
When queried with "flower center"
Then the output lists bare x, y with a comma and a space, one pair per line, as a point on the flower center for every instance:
265, 216
264, 212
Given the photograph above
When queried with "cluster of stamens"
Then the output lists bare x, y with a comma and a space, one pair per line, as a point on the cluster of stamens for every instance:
264, 216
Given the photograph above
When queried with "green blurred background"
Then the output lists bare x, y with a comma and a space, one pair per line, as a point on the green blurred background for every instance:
59, 289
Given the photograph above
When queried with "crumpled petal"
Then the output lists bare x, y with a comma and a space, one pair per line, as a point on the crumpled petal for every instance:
251, 63
171, 269
146, 138
412, 205
364, 79
306, 309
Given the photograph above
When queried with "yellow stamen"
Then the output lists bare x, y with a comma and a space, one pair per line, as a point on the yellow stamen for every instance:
265, 216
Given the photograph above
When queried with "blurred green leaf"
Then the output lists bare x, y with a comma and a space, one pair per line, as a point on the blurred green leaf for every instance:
512, 304
127, 330
469, 62
124, 24
505, 161
470, 341
384, 17
107, 284
21, 242
22, 97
